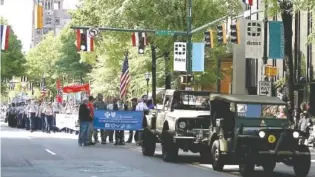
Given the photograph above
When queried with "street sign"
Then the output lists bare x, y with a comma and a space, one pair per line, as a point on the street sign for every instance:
93, 32
180, 56
271, 71
165, 33
265, 88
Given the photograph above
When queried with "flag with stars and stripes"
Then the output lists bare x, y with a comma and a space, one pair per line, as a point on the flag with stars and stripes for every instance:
124, 78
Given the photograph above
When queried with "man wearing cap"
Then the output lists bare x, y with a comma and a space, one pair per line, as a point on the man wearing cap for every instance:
32, 110
99, 104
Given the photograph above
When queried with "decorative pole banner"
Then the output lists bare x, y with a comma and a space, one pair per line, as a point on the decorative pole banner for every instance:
180, 56
198, 57
4, 37
253, 39
276, 40
84, 41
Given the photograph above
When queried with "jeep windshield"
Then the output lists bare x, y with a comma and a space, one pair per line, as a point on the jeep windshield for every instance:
191, 101
261, 111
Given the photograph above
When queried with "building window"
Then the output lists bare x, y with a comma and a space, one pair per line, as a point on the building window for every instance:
1, 2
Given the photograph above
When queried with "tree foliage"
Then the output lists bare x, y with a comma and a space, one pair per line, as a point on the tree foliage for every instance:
12, 60
143, 14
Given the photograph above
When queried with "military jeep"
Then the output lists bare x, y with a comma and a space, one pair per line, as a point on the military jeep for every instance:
251, 130
182, 122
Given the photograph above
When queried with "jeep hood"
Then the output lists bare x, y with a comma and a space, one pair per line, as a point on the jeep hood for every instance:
188, 113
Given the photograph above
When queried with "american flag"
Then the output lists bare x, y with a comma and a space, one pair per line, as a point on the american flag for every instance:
124, 78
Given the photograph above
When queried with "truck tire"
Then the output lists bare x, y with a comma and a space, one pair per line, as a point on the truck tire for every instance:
302, 164
148, 143
247, 165
217, 159
169, 149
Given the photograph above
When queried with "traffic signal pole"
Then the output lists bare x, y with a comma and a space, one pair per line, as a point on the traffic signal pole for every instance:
189, 32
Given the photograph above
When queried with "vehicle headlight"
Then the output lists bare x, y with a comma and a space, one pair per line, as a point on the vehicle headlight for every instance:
262, 134
182, 125
296, 134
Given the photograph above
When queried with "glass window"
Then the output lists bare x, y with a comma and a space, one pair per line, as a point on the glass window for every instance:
261, 111
191, 101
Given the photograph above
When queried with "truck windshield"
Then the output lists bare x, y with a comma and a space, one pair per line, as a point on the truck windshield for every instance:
261, 111
191, 101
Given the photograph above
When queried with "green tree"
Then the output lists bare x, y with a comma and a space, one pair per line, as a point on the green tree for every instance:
12, 60
69, 63
164, 15
41, 60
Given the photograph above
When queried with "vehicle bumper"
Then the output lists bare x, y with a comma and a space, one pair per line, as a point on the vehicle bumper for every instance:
283, 153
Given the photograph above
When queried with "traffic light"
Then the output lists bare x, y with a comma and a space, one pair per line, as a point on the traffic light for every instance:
83, 42
141, 45
235, 33
209, 39
38, 15
221, 34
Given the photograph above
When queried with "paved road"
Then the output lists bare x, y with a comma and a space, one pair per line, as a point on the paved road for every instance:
57, 155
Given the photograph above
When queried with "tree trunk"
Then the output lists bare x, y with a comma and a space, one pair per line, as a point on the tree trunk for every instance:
288, 54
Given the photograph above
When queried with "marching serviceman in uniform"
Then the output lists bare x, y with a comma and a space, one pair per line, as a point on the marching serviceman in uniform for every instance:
49, 113
32, 110
99, 104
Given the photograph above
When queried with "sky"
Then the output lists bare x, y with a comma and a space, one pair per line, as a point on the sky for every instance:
19, 15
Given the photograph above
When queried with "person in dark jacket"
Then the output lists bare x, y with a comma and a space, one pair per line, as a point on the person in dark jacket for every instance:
85, 120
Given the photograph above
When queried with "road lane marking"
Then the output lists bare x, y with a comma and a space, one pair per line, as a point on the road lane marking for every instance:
50, 152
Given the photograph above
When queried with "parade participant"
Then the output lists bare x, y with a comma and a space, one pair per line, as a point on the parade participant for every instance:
26, 117
100, 104
84, 121
91, 127
42, 116
133, 108
118, 133
32, 110
56, 108
112, 106
141, 106
20, 116
49, 112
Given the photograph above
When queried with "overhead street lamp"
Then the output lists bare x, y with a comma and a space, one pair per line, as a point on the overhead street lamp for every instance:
147, 78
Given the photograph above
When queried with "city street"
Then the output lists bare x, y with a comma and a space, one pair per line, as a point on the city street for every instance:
25, 154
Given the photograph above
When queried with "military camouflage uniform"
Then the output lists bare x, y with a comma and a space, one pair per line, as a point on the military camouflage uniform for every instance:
99, 104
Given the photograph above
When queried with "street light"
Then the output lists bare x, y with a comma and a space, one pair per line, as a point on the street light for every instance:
147, 78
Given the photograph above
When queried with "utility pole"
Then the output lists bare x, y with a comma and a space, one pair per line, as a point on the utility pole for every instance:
189, 41
286, 14
153, 50
265, 57
166, 71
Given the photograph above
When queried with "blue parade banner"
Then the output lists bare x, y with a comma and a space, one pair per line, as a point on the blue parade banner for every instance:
198, 57
276, 40
118, 120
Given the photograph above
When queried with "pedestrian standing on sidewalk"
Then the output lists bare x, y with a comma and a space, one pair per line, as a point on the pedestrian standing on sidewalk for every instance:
99, 104
84, 121
91, 127
32, 110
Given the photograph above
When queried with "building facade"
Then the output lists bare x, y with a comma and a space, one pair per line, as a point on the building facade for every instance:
56, 16
247, 72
